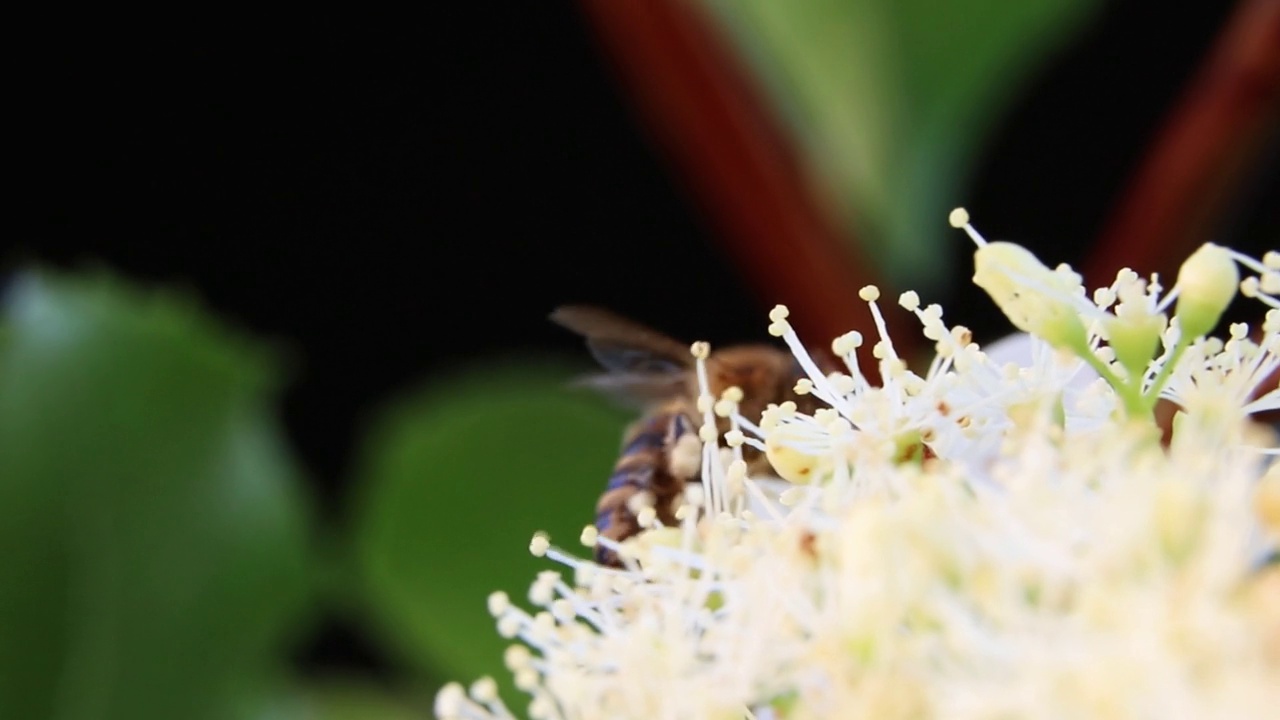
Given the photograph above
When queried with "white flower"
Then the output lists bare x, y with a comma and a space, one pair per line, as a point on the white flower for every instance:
1003, 535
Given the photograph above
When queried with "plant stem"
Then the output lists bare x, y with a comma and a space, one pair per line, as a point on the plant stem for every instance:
1130, 394
1157, 383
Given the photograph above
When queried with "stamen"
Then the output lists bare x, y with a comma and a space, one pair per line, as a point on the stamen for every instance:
959, 220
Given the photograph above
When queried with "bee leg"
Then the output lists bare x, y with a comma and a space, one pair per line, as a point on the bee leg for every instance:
682, 453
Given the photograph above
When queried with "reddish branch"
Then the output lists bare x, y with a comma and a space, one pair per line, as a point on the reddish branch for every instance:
1202, 154
730, 150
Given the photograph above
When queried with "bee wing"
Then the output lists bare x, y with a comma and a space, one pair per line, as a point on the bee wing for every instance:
635, 391
624, 346
643, 364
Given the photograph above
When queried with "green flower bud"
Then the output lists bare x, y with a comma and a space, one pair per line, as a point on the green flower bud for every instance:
1207, 283
1135, 337
1031, 295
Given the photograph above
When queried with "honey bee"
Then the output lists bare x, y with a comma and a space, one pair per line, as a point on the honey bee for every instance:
661, 451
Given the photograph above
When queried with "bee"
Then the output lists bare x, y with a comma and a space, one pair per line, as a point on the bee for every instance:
661, 452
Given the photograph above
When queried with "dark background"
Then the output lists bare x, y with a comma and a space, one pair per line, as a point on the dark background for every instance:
395, 205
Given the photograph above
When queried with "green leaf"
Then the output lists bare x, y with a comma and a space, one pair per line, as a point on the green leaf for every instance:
152, 537
353, 700
335, 698
890, 99
455, 482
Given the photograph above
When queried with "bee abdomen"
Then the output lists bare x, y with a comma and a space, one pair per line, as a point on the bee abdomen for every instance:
642, 468
624, 483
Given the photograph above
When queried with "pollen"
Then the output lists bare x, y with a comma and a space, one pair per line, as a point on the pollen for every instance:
700, 350
590, 534
516, 657
647, 517
509, 626
869, 293
450, 701
639, 502
539, 545
498, 603
708, 433
562, 610
847, 344
958, 218
694, 496
779, 313
484, 690
527, 679
844, 384
685, 457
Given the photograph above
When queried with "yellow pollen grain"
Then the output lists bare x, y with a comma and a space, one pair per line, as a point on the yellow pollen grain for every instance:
484, 690
539, 545
646, 517
498, 603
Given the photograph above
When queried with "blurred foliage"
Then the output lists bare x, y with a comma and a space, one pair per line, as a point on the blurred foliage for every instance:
890, 100
339, 698
152, 532
455, 482
157, 550
344, 699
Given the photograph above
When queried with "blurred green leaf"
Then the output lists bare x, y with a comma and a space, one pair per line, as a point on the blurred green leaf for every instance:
335, 698
456, 481
152, 537
889, 99
353, 700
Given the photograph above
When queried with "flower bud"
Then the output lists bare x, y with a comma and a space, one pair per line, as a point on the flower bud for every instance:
1135, 337
1033, 297
1207, 283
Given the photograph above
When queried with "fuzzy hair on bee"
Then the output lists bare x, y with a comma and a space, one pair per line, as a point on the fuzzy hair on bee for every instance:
656, 374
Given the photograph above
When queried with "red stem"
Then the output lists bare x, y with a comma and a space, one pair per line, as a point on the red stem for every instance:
1205, 150
738, 163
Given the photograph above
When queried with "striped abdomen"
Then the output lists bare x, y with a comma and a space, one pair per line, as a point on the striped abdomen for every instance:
644, 466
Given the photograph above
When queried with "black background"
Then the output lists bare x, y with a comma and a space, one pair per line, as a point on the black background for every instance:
332, 190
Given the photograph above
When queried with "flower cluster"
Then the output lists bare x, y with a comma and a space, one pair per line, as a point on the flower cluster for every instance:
987, 539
